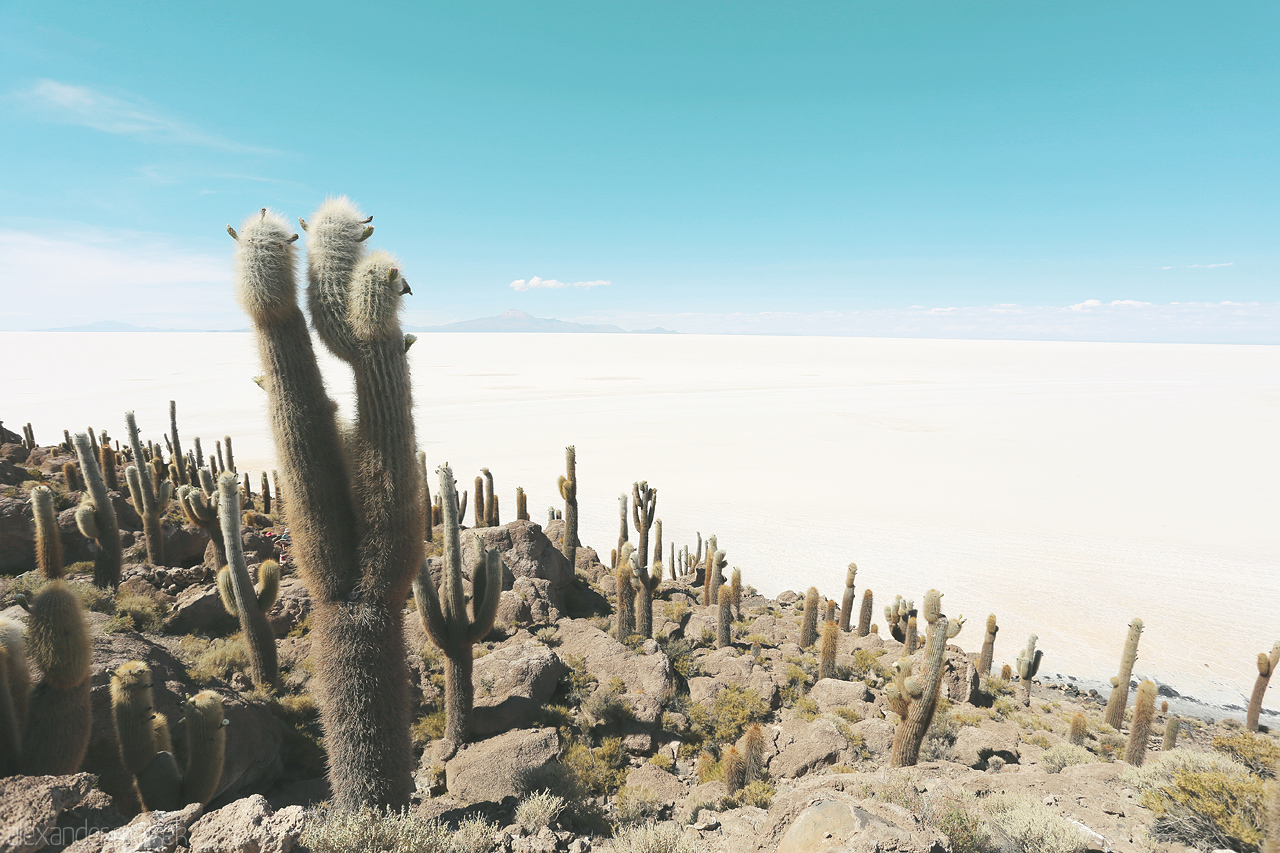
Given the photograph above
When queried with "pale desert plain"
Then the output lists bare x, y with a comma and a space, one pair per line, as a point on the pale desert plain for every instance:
1065, 487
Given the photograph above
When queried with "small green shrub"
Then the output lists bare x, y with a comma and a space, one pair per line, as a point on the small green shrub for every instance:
220, 659
607, 705
652, 838
332, 831
538, 810
663, 762
1259, 754
758, 793
1064, 755
428, 727
1029, 826
733, 709
144, 613
637, 804
806, 708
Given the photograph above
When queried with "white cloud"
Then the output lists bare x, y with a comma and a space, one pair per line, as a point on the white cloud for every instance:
536, 283
79, 105
1211, 266
1088, 303
1130, 302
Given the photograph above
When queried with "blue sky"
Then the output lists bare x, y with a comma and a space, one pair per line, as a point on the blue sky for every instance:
873, 168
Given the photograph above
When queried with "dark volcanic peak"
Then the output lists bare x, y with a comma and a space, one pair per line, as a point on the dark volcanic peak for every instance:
519, 321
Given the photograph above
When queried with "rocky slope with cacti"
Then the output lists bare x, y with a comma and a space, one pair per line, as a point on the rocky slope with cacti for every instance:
358, 655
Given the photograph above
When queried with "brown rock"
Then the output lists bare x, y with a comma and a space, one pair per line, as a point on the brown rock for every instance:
199, 610
247, 825
149, 832
30, 807
666, 787
812, 745
511, 685
649, 678
508, 765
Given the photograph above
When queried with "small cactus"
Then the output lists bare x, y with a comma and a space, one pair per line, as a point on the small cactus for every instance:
864, 618
1171, 727
1119, 700
846, 605
522, 505
988, 647
1266, 666
1144, 712
240, 598
753, 752
1028, 665
909, 641
827, 650
175, 449
146, 752
96, 517
735, 590
568, 486
1079, 727
48, 537
445, 618
735, 775
724, 619
809, 625
624, 610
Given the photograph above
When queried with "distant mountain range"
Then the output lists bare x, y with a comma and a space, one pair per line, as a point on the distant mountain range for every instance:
519, 321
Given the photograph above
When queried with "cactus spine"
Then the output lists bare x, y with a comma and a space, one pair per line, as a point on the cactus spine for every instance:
1266, 666
918, 698
724, 619
147, 501
1028, 665
864, 618
248, 604
827, 651
568, 485
444, 613
846, 606
809, 623
1114, 715
1144, 711
1079, 726
145, 751
988, 647
96, 518
355, 503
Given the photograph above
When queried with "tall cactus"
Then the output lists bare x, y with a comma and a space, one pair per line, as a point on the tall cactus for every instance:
176, 451
625, 611
933, 612
483, 502
354, 498
444, 613
145, 750
96, 517
827, 649
646, 582
1114, 714
568, 485
917, 698
1144, 712
1028, 665
988, 647
428, 509
713, 567
1266, 666
864, 618
644, 500
149, 502
522, 505
735, 589
240, 598
201, 509
846, 605
724, 619
623, 536
809, 621
490, 500
45, 731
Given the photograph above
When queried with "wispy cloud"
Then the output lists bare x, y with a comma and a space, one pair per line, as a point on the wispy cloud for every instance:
1199, 266
536, 283
65, 103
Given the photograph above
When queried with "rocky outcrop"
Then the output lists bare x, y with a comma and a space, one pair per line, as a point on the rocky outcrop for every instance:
508, 765
149, 832
649, 678
30, 807
511, 685
822, 816
248, 825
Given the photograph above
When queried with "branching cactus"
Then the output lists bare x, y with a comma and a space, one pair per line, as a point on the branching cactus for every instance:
1144, 713
1028, 666
45, 731
864, 618
933, 612
846, 606
724, 619
568, 485
354, 504
445, 616
918, 697
239, 596
625, 607
827, 650
96, 518
809, 620
1266, 666
988, 647
644, 500
145, 748
201, 509
1114, 714
149, 503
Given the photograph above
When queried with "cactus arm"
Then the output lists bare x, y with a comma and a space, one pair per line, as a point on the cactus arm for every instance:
268, 587
988, 647
133, 711
1119, 699
1266, 667
257, 630
486, 593
426, 496
922, 701
321, 509
428, 602
226, 592
453, 604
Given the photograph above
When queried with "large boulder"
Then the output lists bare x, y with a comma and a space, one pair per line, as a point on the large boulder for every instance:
149, 832
974, 746
247, 825
805, 747
30, 807
821, 816
508, 765
254, 735
831, 693
526, 553
649, 678
199, 610
658, 782
529, 601
511, 685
